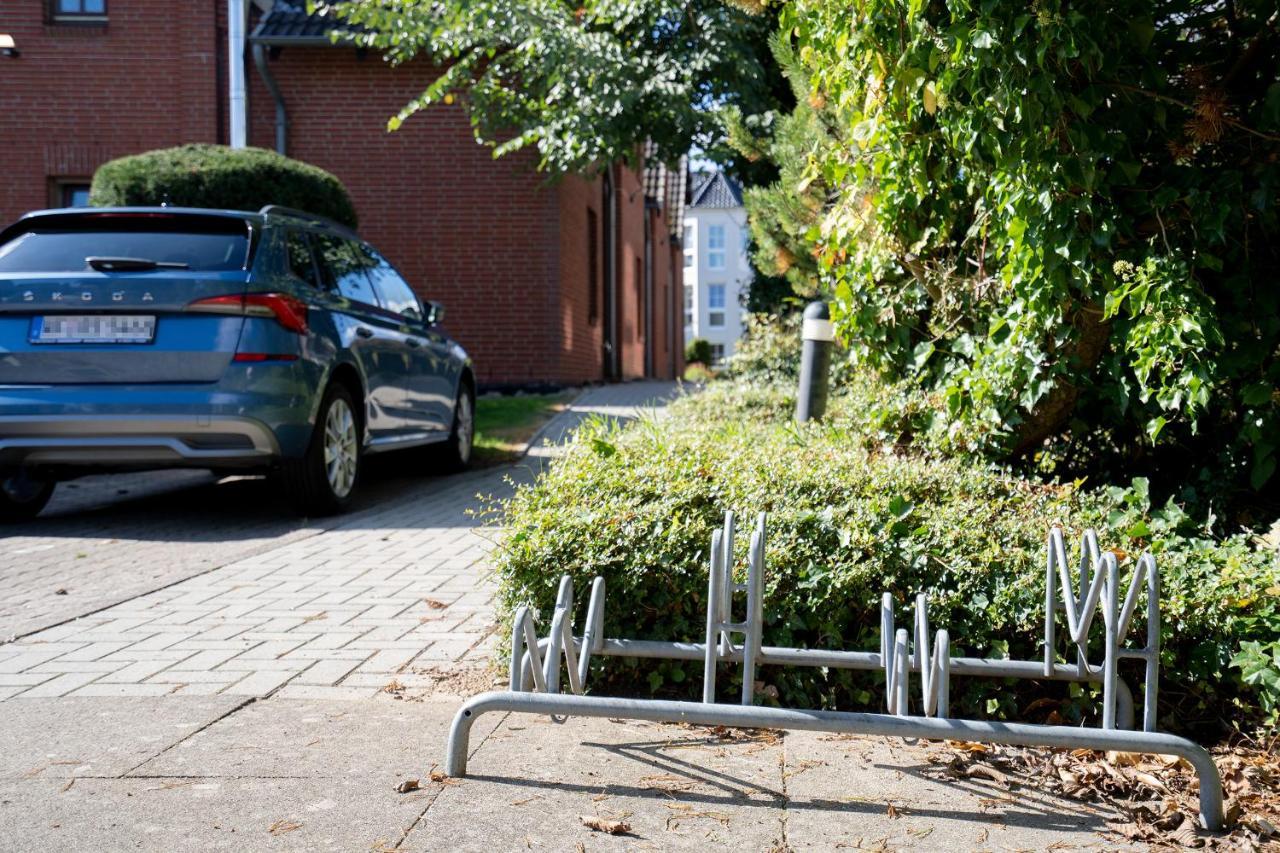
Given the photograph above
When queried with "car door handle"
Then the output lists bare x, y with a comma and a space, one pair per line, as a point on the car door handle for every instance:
413, 342
364, 331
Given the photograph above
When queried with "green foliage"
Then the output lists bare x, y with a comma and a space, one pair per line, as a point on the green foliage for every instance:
1059, 221
697, 351
781, 214
216, 176
585, 83
698, 372
847, 523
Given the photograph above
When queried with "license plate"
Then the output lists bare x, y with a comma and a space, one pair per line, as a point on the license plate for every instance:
93, 329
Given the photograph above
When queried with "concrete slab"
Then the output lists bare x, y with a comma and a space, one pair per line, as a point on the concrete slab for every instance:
531, 781
206, 814
840, 790
380, 739
58, 738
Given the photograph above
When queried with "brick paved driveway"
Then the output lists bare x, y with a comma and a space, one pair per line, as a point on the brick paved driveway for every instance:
185, 586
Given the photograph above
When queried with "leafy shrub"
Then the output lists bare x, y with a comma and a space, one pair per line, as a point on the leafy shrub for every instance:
698, 372
1060, 222
697, 351
847, 523
216, 176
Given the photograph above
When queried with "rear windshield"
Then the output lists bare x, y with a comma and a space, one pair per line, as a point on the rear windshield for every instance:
65, 251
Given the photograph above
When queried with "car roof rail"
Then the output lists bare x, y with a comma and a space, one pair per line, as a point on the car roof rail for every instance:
281, 210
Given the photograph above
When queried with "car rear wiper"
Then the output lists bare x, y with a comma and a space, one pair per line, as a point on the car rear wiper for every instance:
133, 264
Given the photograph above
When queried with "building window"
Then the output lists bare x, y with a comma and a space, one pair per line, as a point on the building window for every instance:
687, 239
78, 10
715, 296
593, 267
688, 309
717, 353
70, 192
715, 305
688, 259
744, 236
715, 247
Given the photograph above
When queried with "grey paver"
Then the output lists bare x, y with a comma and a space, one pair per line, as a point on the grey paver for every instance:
73, 736
207, 814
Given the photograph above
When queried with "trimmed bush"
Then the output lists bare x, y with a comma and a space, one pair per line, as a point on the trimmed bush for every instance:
847, 522
697, 351
216, 176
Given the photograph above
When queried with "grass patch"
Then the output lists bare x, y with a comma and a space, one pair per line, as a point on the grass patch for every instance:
504, 425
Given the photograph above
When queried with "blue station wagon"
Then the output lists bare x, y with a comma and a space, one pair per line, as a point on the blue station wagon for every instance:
143, 338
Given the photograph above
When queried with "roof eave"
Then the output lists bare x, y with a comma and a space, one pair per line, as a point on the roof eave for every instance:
299, 41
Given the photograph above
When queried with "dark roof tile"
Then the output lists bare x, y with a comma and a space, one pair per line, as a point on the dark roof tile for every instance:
718, 190
289, 23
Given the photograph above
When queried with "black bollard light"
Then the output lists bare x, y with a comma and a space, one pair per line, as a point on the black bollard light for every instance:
815, 362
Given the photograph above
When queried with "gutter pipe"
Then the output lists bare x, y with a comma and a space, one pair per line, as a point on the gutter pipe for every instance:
282, 117
236, 20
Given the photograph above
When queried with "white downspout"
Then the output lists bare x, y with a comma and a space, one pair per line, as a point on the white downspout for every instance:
237, 16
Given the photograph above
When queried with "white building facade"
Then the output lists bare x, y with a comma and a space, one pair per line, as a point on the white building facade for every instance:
717, 271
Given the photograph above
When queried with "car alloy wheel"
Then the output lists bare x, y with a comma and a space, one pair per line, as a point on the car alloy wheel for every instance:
341, 452
22, 488
22, 496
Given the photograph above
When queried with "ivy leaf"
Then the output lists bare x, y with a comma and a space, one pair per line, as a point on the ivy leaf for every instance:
1256, 394
1262, 471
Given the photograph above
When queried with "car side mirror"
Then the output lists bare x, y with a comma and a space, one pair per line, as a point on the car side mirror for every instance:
435, 313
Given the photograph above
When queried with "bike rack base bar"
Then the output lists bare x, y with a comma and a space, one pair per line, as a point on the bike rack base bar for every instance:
841, 722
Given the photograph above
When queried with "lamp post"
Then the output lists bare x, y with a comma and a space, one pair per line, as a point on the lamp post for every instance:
815, 362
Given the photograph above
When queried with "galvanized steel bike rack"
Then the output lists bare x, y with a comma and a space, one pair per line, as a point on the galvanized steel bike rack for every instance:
536, 665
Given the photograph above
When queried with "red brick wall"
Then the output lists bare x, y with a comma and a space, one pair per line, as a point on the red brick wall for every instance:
502, 248
481, 236
81, 95
581, 335
667, 321
630, 270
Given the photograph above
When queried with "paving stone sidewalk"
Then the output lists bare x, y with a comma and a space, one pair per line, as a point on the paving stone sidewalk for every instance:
283, 700
396, 597
221, 773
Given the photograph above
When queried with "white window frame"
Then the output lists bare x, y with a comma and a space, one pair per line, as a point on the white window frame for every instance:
716, 255
717, 289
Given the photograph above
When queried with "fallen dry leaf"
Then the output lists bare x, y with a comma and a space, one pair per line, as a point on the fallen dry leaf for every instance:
599, 824
406, 786
987, 772
433, 604
282, 826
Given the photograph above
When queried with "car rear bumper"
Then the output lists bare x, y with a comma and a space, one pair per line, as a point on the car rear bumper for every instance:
124, 440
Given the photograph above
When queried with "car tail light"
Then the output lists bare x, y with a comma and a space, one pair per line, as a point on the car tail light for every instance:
256, 357
288, 311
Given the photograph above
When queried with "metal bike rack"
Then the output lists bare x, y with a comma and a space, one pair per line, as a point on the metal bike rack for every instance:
536, 665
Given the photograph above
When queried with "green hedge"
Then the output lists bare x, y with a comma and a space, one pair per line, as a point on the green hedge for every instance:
216, 176
847, 523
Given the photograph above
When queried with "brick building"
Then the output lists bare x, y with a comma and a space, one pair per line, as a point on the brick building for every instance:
565, 282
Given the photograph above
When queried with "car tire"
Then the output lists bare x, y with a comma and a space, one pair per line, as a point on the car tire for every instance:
323, 480
454, 455
23, 496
